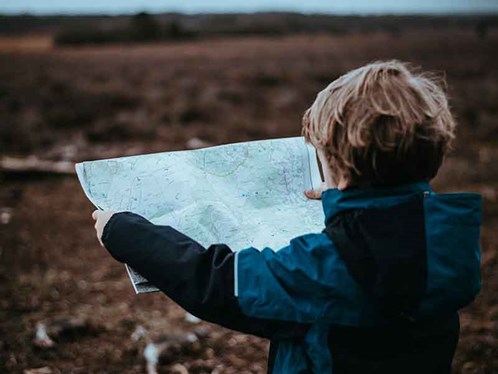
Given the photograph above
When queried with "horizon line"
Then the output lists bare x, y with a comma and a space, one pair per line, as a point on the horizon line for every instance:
103, 12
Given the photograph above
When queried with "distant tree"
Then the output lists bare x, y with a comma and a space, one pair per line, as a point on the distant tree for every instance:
145, 27
482, 28
174, 30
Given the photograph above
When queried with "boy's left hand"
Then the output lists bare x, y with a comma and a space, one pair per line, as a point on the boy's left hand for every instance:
315, 194
101, 218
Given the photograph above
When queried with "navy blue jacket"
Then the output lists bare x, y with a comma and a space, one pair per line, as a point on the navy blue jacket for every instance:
378, 291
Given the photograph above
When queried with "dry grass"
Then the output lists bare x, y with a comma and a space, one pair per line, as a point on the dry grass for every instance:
26, 43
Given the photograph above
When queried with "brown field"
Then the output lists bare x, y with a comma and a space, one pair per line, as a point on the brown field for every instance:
92, 102
29, 43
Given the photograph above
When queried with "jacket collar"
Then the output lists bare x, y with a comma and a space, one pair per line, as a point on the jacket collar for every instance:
335, 201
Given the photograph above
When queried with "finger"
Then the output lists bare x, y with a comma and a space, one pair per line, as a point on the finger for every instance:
95, 214
313, 194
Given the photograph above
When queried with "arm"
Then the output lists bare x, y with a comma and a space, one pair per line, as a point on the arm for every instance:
200, 280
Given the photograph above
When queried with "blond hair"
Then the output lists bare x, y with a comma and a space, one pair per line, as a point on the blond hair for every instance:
383, 123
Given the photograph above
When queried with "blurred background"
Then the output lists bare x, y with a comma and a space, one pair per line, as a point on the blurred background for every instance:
83, 80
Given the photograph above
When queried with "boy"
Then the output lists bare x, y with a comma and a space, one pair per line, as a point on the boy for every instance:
378, 291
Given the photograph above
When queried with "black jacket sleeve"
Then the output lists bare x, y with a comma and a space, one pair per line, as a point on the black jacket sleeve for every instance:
200, 280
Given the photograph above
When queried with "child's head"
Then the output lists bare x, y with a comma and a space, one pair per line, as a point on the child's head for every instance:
381, 124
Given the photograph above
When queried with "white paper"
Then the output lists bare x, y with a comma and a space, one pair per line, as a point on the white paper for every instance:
243, 195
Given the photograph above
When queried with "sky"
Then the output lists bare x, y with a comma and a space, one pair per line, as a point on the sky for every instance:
199, 6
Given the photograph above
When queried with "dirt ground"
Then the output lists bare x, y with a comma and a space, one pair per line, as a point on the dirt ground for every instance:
77, 104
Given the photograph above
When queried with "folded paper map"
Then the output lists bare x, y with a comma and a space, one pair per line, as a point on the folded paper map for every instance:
244, 194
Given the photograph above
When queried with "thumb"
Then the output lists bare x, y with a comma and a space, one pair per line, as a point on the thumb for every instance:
316, 193
313, 194
95, 214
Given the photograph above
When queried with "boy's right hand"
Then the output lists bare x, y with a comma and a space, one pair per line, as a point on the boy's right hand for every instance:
315, 194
